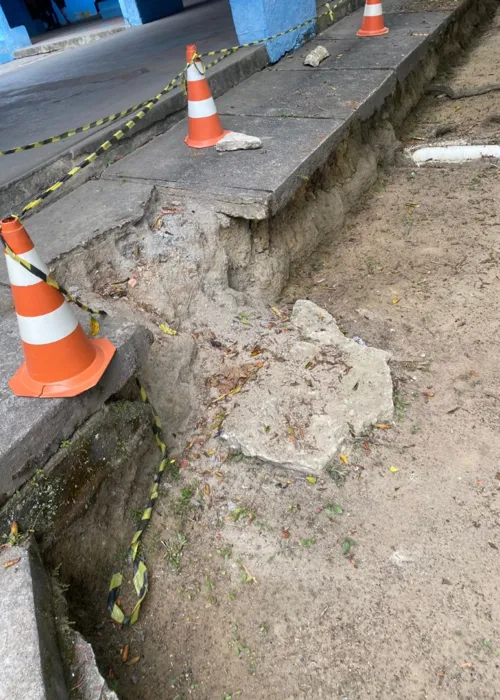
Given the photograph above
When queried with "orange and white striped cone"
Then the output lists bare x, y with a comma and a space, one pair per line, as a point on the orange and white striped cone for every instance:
373, 20
204, 127
60, 360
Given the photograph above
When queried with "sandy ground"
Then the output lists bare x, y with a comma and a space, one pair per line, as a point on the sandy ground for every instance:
380, 579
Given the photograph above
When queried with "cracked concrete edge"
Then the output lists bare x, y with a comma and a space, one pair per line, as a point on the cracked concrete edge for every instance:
32, 429
28, 640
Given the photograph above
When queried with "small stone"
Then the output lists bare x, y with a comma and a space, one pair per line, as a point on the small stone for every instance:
238, 142
316, 57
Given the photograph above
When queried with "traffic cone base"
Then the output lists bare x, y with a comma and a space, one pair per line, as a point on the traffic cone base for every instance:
195, 142
24, 384
204, 126
375, 32
60, 360
373, 20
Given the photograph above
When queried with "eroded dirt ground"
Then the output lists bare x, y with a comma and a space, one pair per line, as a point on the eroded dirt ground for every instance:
381, 578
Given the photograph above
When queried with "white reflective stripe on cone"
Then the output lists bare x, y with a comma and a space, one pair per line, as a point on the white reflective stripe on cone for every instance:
49, 328
194, 73
19, 276
201, 108
373, 10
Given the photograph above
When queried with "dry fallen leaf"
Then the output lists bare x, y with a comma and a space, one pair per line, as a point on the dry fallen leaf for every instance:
312, 479
278, 313
133, 661
124, 653
393, 469
285, 533
396, 300
343, 458
256, 350
8, 564
94, 327
383, 426
166, 329
467, 664
428, 394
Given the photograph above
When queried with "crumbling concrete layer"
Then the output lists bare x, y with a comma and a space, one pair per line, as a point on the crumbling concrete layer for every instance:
31, 430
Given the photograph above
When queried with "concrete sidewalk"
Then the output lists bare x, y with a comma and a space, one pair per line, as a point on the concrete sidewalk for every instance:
55, 93
90, 82
300, 113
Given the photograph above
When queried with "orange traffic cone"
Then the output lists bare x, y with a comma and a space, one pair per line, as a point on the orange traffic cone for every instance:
59, 358
204, 127
373, 20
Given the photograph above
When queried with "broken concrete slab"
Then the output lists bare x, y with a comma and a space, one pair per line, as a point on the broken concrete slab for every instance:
94, 209
262, 180
320, 95
91, 685
316, 56
238, 142
321, 388
31, 430
32, 666
400, 50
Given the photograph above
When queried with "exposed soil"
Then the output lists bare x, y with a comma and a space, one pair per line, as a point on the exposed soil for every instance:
380, 579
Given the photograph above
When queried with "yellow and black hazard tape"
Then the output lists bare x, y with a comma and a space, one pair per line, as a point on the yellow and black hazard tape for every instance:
77, 130
117, 136
120, 115
140, 571
140, 577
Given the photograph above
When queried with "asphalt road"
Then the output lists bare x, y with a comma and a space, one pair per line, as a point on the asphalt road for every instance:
50, 94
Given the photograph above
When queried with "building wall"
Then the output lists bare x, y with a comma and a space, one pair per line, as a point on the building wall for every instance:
256, 19
17, 15
138, 12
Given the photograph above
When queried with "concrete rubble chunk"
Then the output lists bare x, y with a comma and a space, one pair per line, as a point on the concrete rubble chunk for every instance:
32, 666
316, 57
238, 142
91, 684
317, 388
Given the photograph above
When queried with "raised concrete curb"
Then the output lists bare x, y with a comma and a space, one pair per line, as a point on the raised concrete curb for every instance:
31, 430
167, 112
32, 666
300, 114
69, 43
95, 208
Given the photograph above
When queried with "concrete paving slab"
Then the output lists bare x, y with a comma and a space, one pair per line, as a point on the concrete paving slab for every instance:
32, 667
349, 389
31, 430
406, 43
292, 149
95, 208
66, 89
322, 94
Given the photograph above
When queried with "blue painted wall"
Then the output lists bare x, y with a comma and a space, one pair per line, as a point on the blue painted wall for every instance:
138, 12
17, 15
11, 38
256, 19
